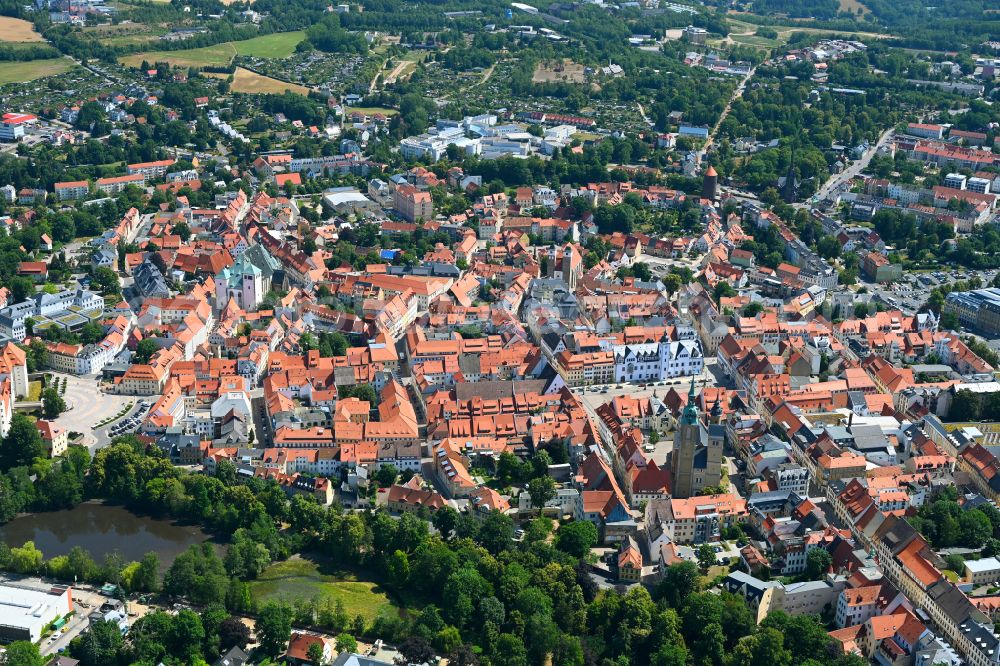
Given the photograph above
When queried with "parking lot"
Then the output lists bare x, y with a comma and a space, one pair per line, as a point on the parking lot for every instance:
910, 293
87, 405
127, 424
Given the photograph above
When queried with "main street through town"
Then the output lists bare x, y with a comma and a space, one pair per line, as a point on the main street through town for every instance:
853, 170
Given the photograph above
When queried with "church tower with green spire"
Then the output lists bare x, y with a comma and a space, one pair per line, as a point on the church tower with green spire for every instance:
690, 416
696, 460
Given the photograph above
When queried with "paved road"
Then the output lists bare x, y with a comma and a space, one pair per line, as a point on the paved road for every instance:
261, 422
725, 112
841, 179
77, 625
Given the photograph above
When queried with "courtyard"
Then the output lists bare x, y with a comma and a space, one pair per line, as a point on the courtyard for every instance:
87, 405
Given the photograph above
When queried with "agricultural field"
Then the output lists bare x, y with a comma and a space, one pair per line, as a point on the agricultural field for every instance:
245, 81
17, 30
277, 45
551, 72
20, 72
300, 578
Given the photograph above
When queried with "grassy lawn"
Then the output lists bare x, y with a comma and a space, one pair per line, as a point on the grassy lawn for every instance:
951, 575
278, 45
19, 72
785, 31
754, 40
300, 578
34, 391
853, 7
741, 26
217, 55
713, 573
128, 40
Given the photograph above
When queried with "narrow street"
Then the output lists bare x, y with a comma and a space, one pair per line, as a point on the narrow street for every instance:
725, 112
261, 422
642, 112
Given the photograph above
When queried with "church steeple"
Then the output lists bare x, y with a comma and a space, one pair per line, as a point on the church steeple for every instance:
716, 412
696, 459
690, 416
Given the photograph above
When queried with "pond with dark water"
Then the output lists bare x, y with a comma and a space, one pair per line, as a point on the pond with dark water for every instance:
101, 529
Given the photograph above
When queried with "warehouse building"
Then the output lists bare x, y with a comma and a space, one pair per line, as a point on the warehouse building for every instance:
26, 612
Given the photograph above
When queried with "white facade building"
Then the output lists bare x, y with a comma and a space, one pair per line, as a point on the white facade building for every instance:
656, 361
25, 613
12, 318
435, 144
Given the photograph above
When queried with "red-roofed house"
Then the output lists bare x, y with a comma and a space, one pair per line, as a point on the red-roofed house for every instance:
298, 649
283, 179
56, 439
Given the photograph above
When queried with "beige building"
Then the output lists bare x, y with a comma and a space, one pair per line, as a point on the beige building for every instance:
413, 204
56, 439
981, 572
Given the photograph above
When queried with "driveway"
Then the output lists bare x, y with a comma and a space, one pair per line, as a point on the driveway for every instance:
76, 626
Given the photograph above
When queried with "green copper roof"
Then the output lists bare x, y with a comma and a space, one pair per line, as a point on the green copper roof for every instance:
690, 416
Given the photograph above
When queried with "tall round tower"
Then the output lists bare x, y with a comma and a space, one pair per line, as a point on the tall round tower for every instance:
710, 184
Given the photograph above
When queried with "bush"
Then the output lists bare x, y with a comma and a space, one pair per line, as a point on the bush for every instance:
956, 563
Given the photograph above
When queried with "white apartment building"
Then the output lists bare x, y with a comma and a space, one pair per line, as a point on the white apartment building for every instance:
150, 169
